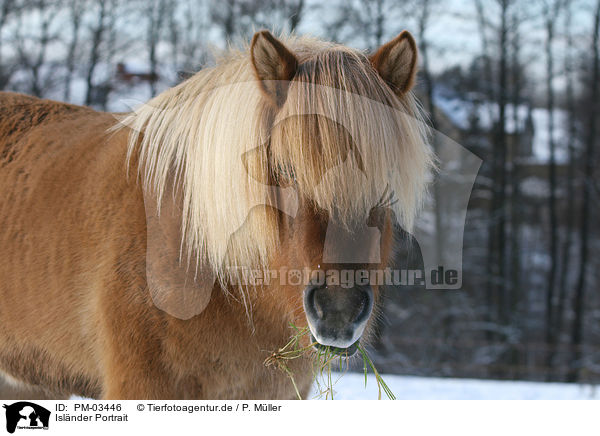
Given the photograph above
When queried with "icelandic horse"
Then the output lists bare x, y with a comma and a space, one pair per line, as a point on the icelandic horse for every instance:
122, 236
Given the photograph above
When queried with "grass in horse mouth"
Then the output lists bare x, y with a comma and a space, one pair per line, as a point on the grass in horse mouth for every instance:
343, 352
323, 358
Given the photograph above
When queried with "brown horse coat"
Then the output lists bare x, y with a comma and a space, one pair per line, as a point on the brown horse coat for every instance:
75, 315
76, 311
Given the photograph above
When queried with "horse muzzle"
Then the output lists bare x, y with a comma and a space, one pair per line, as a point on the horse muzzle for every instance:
337, 317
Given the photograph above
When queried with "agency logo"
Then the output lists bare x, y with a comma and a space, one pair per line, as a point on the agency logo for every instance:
26, 415
366, 174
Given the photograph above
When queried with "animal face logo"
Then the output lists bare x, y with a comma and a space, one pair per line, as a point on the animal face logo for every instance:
26, 415
184, 291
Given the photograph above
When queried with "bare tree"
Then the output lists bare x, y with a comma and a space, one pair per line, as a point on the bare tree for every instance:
482, 24
32, 48
501, 151
517, 80
225, 14
116, 41
192, 38
374, 13
98, 30
423, 23
156, 11
76, 10
590, 152
492, 94
173, 31
239, 18
103, 47
496, 263
293, 10
569, 68
368, 20
7, 8
550, 12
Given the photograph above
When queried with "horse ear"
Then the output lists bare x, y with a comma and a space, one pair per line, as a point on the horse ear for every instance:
396, 63
274, 65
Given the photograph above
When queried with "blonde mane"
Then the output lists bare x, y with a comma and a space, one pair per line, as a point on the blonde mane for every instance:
195, 134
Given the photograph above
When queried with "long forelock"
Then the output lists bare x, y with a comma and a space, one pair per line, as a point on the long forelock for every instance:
341, 115
195, 135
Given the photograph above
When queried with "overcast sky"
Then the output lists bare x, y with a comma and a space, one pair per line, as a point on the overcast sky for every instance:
454, 35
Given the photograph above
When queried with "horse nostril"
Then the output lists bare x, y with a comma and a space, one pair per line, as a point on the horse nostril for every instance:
354, 305
366, 305
310, 306
337, 316
314, 303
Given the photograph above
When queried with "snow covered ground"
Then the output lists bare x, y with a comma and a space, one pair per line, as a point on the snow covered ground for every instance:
351, 386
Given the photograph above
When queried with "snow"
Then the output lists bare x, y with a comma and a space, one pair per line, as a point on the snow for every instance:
541, 121
460, 111
535, 187
457, 110
351, 386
